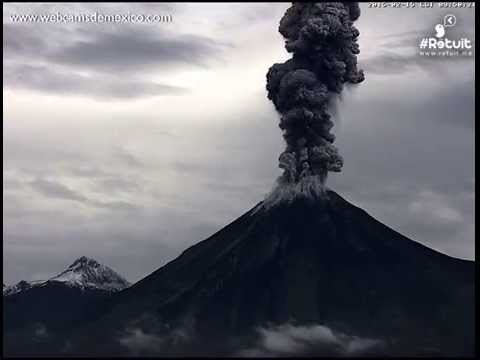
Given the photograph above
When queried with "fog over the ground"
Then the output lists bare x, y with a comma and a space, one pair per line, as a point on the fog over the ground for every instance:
128, 143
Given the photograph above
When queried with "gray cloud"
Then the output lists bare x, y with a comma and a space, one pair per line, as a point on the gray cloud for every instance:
398, 52
389, 62
87, 172
140, 341
57, 190
134, 49
271, 341
54, 59
454, 104
126, 48
114, 205
40, 331
116, 184
128, 158
49, 80
20, 41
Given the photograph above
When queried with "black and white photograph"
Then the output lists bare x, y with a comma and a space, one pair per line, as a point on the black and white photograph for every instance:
258, 179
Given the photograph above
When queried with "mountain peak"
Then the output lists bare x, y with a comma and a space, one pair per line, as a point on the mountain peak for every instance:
86, 272
83, 262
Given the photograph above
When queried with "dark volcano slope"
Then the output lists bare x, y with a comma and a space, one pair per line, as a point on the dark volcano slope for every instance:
312, 262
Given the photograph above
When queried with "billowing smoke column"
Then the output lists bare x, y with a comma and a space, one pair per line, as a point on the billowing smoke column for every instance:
323, 41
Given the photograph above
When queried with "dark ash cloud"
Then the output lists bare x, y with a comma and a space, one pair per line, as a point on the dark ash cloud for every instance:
323, 43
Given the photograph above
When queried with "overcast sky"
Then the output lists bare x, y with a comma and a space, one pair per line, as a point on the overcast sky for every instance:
130, 142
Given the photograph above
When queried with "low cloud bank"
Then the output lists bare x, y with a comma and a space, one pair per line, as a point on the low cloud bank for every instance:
288, 339
149, 336
162, 338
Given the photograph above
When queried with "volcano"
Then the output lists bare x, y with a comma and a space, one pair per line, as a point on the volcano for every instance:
308, 262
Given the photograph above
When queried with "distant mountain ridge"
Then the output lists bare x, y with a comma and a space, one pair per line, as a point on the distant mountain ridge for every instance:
83, 273
20, 286
39, 311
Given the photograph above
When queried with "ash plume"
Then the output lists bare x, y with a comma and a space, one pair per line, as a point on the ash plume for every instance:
323, 41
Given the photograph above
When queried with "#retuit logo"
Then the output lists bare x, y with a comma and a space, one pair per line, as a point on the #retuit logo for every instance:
441, 45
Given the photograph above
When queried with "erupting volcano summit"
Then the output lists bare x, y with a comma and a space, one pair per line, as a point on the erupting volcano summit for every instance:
323, 41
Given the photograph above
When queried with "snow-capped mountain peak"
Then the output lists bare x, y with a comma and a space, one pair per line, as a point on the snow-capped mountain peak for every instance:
88, 273
83, 262
83, 273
